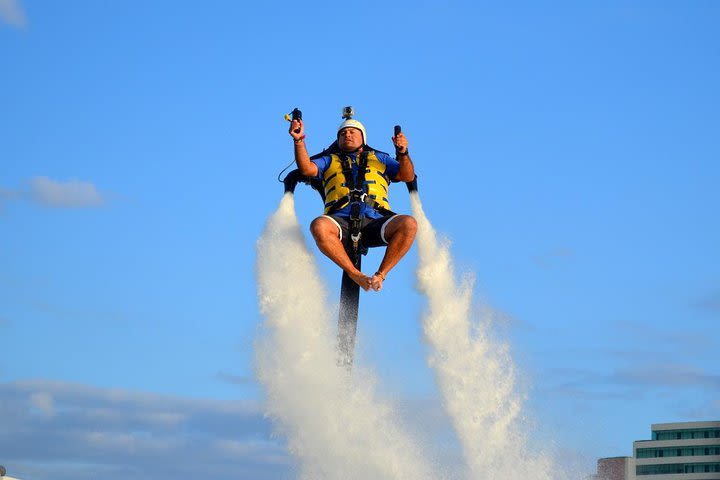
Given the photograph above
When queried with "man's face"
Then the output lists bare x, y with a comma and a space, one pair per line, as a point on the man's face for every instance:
350, 139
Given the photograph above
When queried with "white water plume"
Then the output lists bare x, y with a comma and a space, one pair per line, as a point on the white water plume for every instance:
335, 425
475, 374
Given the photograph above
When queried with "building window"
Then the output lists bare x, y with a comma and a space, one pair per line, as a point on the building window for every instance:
676, 468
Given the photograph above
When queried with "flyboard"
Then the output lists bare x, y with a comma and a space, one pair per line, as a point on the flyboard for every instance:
349, 290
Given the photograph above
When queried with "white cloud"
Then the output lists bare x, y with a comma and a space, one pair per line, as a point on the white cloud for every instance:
11, 12
116, 434
668, 375
43, 402
73, 193
624, 382
664, 337
51, 193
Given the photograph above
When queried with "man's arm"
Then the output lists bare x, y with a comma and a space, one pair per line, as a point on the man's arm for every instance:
406, 172
305, 165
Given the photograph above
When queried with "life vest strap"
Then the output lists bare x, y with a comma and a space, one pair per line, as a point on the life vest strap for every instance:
356, 196
353, 197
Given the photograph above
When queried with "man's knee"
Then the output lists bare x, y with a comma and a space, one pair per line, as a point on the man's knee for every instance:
323, 228
411, 224
404, 224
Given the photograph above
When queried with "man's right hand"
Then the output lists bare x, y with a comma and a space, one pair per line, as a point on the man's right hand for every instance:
297, 129
297, 132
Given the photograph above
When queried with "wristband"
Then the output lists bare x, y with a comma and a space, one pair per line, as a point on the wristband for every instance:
405, 153
299, 140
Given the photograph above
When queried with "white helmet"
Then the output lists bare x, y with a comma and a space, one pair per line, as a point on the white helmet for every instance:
352, 123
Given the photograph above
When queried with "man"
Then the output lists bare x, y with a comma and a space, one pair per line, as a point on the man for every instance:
380, 226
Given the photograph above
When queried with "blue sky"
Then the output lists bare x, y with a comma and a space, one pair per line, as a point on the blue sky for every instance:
568, 150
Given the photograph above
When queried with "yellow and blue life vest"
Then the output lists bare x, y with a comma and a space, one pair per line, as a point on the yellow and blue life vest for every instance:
337, 186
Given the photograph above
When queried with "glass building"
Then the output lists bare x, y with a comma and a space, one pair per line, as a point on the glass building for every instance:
677, 451
687, 451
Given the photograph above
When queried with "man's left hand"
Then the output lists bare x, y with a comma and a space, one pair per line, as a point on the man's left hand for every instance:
401, 143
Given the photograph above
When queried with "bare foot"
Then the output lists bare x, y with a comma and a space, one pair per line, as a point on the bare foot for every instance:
361, 279
376, 282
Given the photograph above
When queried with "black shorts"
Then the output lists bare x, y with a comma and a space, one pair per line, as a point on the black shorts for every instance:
372, 230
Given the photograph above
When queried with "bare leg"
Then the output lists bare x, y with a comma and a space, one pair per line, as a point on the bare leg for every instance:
327, 237
399, 233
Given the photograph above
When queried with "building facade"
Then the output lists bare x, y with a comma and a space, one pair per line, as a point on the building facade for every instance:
677, 451
615, 468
